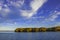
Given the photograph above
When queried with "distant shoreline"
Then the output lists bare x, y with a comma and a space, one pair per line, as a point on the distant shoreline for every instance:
41, 29
6, 30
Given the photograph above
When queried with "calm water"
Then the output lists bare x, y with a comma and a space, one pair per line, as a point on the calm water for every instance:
30, 36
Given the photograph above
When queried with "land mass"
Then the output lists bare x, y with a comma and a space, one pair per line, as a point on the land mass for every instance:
41, 29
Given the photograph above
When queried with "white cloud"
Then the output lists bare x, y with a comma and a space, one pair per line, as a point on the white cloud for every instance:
0, 8
5, 11
17, 3
26, 14
53, 16
35, 4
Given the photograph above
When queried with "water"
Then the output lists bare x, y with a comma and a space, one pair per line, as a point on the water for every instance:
30, 36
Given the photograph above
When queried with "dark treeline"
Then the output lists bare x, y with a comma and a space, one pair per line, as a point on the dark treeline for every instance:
41, 29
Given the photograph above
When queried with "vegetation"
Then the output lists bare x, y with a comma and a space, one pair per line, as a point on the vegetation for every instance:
42, 29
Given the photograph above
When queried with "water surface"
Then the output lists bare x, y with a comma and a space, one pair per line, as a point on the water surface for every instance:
30, 36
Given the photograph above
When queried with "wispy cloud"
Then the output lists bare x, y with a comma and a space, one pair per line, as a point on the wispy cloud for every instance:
17, 4
4, 11
53, 16
35, 5
0, 7
26, 13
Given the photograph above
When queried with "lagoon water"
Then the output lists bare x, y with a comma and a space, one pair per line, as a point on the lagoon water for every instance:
30, 36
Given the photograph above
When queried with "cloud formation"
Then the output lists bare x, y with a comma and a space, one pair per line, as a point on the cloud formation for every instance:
28, 12
35, 5
6, 8
54, 15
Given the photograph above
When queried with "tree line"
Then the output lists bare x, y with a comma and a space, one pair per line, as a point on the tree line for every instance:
41, 29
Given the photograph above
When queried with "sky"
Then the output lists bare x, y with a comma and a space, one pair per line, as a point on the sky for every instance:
29, 13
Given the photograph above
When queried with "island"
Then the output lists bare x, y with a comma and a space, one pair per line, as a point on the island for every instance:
41, 29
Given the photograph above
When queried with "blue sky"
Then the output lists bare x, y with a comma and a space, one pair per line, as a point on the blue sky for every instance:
29, 13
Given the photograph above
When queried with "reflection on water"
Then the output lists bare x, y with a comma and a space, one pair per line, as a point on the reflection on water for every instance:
30, 36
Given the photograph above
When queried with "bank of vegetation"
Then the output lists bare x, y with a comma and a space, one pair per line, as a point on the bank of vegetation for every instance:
41, 29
